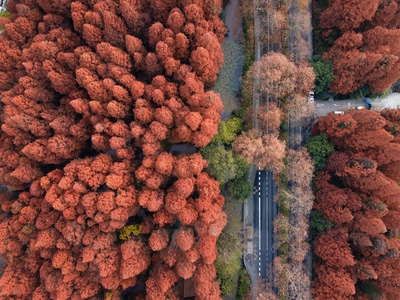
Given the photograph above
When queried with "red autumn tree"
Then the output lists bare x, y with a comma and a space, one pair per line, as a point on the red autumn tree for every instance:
392, 170
333, 248
135, 258
370, 200
158, 239
161, 280
371, 226
337, 205
184, 238
91, 93
370, 56
332, 283
348, 15
206, 286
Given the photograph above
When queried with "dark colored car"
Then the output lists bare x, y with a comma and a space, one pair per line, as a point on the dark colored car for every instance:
368, 102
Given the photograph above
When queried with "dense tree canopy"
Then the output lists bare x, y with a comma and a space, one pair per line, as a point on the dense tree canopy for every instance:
91, 92
367, 51
357, 211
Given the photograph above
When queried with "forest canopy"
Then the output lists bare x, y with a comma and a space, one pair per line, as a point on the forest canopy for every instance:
365, 49
91, 93
357, 207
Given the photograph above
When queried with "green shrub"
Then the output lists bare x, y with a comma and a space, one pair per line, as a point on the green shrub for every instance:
129, 230
284, 204
230, 249
248, 28
239, 188
221, 162
244, 284
371, 290
4, 14
227, 130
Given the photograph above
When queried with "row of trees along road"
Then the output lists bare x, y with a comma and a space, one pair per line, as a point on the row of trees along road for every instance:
357, 208
91, 93
283, 90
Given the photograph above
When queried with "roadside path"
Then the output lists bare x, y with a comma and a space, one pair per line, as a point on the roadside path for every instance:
257, 52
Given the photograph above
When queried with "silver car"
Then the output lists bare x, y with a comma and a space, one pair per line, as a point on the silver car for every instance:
311, 96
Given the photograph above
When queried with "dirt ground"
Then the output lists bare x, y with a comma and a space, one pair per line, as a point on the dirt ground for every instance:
233, 20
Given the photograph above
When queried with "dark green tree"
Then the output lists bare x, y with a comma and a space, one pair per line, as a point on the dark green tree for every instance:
319, 148
318, 222
239, 188
323, 72
229, 169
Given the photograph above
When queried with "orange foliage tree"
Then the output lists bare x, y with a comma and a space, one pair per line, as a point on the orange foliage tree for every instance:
266, 151
363, 206
279, 77
367, 52
91, 92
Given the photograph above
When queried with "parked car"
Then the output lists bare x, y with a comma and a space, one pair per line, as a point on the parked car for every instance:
339, 112
368, 102
311, 96
360, 107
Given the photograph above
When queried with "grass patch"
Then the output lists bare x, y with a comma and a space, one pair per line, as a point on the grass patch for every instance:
229, 262
244, 284
248, 27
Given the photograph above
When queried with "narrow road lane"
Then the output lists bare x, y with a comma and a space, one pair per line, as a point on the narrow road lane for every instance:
265, 212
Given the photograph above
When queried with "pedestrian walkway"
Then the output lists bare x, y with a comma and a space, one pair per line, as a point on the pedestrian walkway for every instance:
248, 219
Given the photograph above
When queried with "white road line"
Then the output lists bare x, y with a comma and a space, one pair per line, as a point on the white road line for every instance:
267, 193
259, 223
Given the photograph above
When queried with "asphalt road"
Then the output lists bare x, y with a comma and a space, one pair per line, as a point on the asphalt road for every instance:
265, 211
324, 107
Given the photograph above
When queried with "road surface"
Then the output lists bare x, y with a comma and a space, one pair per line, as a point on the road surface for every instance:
324, 107
265, 211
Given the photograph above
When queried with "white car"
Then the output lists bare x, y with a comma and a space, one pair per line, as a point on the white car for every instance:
339, 112
311, 96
